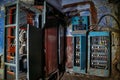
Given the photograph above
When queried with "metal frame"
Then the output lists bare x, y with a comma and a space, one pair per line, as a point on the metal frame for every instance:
18, 4
28, 52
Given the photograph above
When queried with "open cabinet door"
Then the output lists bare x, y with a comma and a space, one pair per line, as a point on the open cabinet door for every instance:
35, 53
61, 46
51, 60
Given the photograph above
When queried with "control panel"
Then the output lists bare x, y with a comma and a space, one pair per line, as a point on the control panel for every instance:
80, 26
99, 53
77, 51
80, 23
79, 42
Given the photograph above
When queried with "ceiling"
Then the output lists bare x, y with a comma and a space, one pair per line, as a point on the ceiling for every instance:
59, 4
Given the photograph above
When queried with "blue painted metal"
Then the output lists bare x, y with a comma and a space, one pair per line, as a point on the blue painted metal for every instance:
75, 20
80, 23
1, 31
81, 66
99, 33
2, 2
99, 53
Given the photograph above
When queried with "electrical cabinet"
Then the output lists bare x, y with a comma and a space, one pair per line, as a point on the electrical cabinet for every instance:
99, 53
79, 62
10, 43
80, 26
54, 39
22, 45
80, 23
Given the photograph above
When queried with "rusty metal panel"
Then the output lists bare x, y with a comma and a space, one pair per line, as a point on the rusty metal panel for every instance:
61, 56
51, 60
69, 52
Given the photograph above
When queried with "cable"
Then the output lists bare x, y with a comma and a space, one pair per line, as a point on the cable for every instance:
96, 25
116, 66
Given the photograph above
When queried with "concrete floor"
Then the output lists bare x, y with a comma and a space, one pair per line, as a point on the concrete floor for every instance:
73, 76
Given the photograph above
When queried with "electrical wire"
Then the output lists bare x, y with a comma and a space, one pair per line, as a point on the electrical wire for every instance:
96, 25
116, 66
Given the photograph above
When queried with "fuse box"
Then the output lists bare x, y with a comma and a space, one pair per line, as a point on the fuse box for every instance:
79, 62
80, 23
99, 53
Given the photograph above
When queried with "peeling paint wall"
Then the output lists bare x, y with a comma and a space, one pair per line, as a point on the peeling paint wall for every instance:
116, 45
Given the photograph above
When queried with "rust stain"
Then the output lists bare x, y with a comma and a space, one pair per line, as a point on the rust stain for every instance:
69, 52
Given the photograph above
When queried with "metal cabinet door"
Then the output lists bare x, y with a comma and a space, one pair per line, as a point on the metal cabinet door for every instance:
35, 52
51, 60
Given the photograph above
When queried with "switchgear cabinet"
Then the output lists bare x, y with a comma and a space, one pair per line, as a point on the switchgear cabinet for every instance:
99, 53
80, 26
79, 62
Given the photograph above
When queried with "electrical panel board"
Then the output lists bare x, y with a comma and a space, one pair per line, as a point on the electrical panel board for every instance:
99, 53
80, 26
80, 23
79, 63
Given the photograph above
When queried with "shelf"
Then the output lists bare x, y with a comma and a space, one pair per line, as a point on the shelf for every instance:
10, 57
11, 37
11, 73
10, 64
98, 61
23, 55
10, 25
11, 49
